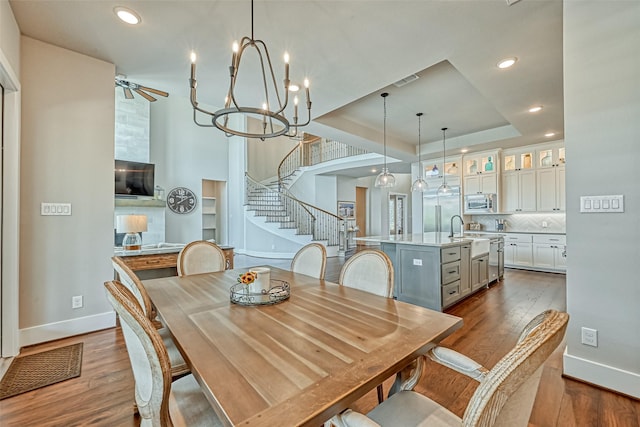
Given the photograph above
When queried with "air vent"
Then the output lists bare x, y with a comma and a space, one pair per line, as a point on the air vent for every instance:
406, 80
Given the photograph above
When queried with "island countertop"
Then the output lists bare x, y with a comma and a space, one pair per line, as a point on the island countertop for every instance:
441, 240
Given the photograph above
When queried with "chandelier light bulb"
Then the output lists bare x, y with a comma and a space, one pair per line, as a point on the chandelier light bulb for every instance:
235, 47
306, 83
295, 100
286, 57
193, 57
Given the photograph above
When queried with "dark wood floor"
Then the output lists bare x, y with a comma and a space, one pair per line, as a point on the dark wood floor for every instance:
493, 318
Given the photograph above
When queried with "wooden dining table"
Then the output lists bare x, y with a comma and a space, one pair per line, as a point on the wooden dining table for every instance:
297, 362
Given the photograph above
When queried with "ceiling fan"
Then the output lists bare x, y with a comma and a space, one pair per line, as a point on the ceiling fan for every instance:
128, 87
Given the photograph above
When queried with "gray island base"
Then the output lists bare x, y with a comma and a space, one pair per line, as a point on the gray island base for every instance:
433, 270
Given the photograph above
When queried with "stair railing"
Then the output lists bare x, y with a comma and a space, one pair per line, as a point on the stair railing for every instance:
312, 153
309, 219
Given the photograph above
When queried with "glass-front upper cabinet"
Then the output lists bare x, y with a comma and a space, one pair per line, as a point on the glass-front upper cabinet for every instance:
551, 156
515, 160
480, 164
433, 168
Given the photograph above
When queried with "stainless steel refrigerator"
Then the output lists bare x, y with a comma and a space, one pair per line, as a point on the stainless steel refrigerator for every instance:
450, 205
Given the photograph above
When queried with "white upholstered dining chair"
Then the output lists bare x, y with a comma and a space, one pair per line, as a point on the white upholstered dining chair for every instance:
201, 257
160, 402
504, 397
128, 278
369, 270
311, 260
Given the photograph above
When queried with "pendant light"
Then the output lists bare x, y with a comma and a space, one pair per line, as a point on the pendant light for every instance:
385, 179
419, 185
444, 189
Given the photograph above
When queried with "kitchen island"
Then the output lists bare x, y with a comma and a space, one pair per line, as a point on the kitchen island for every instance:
433, 270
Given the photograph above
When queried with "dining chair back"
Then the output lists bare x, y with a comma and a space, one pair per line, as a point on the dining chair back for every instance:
159, 401
369, 270
133, 283
504, 397
131, 280
506, 394
310, 260
200, 257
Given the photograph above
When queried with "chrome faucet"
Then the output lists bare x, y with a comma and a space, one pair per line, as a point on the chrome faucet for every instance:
461, 224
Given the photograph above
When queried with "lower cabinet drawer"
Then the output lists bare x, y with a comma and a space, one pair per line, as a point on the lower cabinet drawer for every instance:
450, 272
450, 293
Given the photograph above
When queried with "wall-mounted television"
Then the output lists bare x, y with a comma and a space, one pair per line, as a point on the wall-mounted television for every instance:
134, 178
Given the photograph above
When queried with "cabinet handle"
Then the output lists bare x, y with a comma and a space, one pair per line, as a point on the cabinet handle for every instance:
452, 292
451, 272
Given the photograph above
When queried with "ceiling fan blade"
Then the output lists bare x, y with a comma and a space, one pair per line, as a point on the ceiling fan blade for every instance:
156, 91
145, 95
127, 93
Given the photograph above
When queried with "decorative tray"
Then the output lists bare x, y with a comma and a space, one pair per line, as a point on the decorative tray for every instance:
279, 292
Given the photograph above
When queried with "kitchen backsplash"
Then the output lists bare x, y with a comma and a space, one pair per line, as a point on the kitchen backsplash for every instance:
533, 222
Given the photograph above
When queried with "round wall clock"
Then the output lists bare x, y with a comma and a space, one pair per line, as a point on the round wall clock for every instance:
181, 200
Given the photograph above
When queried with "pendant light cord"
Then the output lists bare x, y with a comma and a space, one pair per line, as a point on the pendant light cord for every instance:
384, 129
419, 139
444, 157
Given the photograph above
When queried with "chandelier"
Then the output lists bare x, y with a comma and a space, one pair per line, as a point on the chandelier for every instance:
272, 110
385, 179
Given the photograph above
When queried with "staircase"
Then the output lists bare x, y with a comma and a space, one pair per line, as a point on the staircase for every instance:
289, 213
277, 205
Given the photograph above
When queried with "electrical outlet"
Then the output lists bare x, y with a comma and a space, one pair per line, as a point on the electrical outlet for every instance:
545, 224
590, 337
76, 302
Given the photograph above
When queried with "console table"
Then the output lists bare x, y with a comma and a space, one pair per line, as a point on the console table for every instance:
161, 258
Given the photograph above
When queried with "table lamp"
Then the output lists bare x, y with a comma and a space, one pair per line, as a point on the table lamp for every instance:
132, 225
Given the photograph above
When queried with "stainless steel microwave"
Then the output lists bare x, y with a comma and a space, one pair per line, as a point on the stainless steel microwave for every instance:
481, 203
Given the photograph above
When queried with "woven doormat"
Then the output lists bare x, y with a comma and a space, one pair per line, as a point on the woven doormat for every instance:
37, 370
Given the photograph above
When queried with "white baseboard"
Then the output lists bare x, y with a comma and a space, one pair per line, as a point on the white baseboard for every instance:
66, 328
609, 377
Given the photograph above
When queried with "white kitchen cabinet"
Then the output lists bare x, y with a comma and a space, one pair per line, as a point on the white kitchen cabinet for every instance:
549, 252
518, 250
481, 184
550, 183
519, 191
433, 171
480, 173
550, 156
517, 160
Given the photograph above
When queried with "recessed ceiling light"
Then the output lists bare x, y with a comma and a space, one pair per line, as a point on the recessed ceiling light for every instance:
549, 134
535, 109
294, 87
507, 62
464, 150
374, 170
127, 15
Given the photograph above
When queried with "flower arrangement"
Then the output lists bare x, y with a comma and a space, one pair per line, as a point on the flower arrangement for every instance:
247, 278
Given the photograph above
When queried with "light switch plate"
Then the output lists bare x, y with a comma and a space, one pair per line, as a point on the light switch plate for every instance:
602, 204
58, 209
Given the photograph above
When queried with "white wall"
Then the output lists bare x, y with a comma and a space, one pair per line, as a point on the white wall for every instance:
67, 156
185, 154
10, 181
602, 134
263, 157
